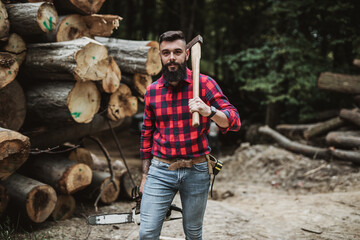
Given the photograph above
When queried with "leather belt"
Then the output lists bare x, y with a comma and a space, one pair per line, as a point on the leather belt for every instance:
181, 162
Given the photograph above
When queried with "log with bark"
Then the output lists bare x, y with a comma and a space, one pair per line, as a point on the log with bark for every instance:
122, 104
32, 18
4, 198
323, 127
134, 56
284, 142
102, 25
101, 183
9, 68
102, 165
85, 7
351, 156
345, 139
12, 107
4, 23
126, 183
14, 151
45, 138
82, 155
352, 116
15, 46
293, 130
82, 59
36, 199
64, 208
138, 83
64, 175
339, 82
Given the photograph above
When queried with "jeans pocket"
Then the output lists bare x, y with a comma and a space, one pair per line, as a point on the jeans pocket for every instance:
201, 167
159, 164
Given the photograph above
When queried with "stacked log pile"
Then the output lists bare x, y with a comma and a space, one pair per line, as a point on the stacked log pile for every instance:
61, 79
340, 133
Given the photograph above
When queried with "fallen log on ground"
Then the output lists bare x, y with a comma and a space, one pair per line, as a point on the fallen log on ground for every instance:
64, 208
310, 151
55, 104
134, 56
352, 116
9, 68
36, 199
323, 127
82, 59
85, 7
16, 46
351, 156
4, 23
339, 83
292, 130
347, 139
122, 104
4, 198
12, 107
14, 151
32, 18
64, 175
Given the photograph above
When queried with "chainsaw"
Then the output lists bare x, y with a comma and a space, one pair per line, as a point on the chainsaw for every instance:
132, 217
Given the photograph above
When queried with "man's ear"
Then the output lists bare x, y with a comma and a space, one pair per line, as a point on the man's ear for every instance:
187, 52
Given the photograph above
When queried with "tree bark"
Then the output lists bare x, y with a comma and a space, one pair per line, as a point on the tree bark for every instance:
55, 104
323, 127
352, 116
85, 7
102, 25
12, 107
82, 155
348, 139
122, 104
62, 174
82, 59
32, 18
4, 198
339, 82
14, 151
352, 156
9, 68
16, 46
310, 151
101, 182
4, 23
53, 137
126, 183
134, 56
64, 208
34, 198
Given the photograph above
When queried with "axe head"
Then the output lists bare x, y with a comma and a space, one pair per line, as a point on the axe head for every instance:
196, 39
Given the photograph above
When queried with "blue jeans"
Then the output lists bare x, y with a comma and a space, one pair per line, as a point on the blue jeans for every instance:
160, 188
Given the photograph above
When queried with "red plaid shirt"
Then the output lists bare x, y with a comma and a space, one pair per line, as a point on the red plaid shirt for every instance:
167, 130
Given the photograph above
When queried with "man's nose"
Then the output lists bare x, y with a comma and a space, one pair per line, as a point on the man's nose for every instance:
172, 57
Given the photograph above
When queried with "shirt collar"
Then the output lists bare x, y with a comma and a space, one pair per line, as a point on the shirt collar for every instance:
188, 79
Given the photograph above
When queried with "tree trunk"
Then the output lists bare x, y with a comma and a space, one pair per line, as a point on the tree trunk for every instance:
134, 56
9, 68
348, 139
62, 174
352, 116
34, 198
57, 103
352, 156
323, 127
102, 165
12, 107
14, 151
339, 82
32, 18
122, 104
102, 25
100, 181
126, 183
54, 137
310, 151
85, 7
16, 46
82, 59
4, 23
64, 208
4, 198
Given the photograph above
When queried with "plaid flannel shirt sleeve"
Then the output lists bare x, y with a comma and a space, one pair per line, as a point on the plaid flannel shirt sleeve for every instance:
216, 98
147, 129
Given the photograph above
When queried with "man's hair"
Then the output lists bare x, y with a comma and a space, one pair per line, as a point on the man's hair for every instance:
170, 36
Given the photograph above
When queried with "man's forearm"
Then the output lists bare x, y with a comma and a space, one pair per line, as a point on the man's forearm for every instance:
145, 166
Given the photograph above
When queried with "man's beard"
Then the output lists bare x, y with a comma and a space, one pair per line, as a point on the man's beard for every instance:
174, 76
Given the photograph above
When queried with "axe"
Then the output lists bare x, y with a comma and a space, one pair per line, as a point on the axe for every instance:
195, 47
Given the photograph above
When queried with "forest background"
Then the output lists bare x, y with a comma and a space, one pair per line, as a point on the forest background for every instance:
266, 55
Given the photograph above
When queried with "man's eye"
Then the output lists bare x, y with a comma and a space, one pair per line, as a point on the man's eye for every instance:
178, 52
165, 53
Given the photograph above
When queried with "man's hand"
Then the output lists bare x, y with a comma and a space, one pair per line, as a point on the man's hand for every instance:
142, 184
197, 105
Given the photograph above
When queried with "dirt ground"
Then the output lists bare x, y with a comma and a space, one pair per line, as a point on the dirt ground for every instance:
263, 192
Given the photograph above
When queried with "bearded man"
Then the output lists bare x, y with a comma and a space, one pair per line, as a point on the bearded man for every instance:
168, 140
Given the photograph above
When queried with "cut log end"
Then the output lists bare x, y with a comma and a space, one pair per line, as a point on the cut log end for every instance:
122, 104
111, 82
141, 81
86, 6
82, 155
102, 25
84, 101
16, 46
9, 68
72, 27
109, 193
76, 178
40, 203
153, 63
126, 182
64, 208
47, 17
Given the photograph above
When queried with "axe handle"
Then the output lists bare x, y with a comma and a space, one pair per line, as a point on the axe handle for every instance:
195, 61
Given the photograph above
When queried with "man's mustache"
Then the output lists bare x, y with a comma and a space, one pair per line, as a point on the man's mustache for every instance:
172, 63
